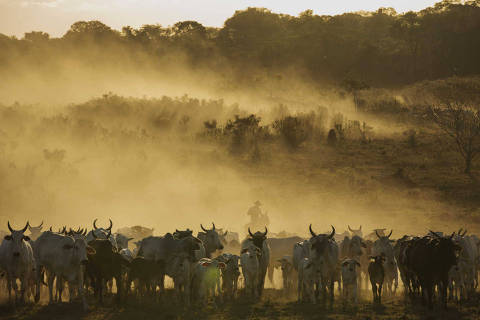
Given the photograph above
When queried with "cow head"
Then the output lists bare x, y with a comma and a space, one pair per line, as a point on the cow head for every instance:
446, 248
258, 238
356, 244
357, 232
17, 237
212, 239
320, 241
35, 231
122, 241
78, 248
350, 265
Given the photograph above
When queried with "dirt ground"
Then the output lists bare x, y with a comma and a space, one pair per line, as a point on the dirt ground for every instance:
274, 305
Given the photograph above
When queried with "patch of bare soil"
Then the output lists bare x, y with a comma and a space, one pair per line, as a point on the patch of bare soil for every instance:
274, 305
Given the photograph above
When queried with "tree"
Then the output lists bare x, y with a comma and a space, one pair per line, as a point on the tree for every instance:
37, 36
462, 124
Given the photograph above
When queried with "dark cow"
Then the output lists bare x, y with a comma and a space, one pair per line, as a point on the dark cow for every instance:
324, 255
211, 240
431, 259
377, 276
106, 264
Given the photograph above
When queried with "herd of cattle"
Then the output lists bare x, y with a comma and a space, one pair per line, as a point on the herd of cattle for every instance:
434, 266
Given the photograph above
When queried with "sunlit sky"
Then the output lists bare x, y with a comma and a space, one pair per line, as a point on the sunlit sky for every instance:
56, 16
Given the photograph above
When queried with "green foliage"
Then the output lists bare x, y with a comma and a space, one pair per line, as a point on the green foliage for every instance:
379, 48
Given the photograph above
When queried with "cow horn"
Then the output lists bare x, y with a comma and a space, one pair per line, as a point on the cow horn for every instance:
78, 230
85, 232
250, 232
265, 233
464, 233
460, 231
453, 234
95, 224
311, 231
111, 224
64, 229
41, 225
9, 227
226, 231
50, 229
360, 228
350, 229
203, 228
176, 230
377, 234
391, 231
332, 234
213, 224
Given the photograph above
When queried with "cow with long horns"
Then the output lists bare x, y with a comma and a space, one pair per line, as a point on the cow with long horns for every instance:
35, 232
383, 245
324, 255
101, 233
358, 232
211, 240
16, 257
258, 239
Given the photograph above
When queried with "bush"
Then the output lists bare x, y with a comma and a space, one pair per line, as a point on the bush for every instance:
295, 130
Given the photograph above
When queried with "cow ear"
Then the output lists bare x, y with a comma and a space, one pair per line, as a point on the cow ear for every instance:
205, 264
344, 263
221, 265
90, 250
67, 246
244, 250
129, 239
26, 238
8, 237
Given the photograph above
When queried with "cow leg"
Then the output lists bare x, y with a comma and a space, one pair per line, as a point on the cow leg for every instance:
271, 270
9, 288
380, 285
50, 279
15, 289
332, 287
374, 291
59, 288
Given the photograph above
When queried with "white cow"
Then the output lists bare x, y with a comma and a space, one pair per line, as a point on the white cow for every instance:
206, 275
349, 279
383, 245
62, 257
258, 240
301, 251
249, 261
288, 273
230, 274
308, 274
16, 257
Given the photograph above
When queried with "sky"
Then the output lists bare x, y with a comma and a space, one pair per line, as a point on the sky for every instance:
56, 16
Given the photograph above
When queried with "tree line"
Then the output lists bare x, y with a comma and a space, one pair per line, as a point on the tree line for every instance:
381, 48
